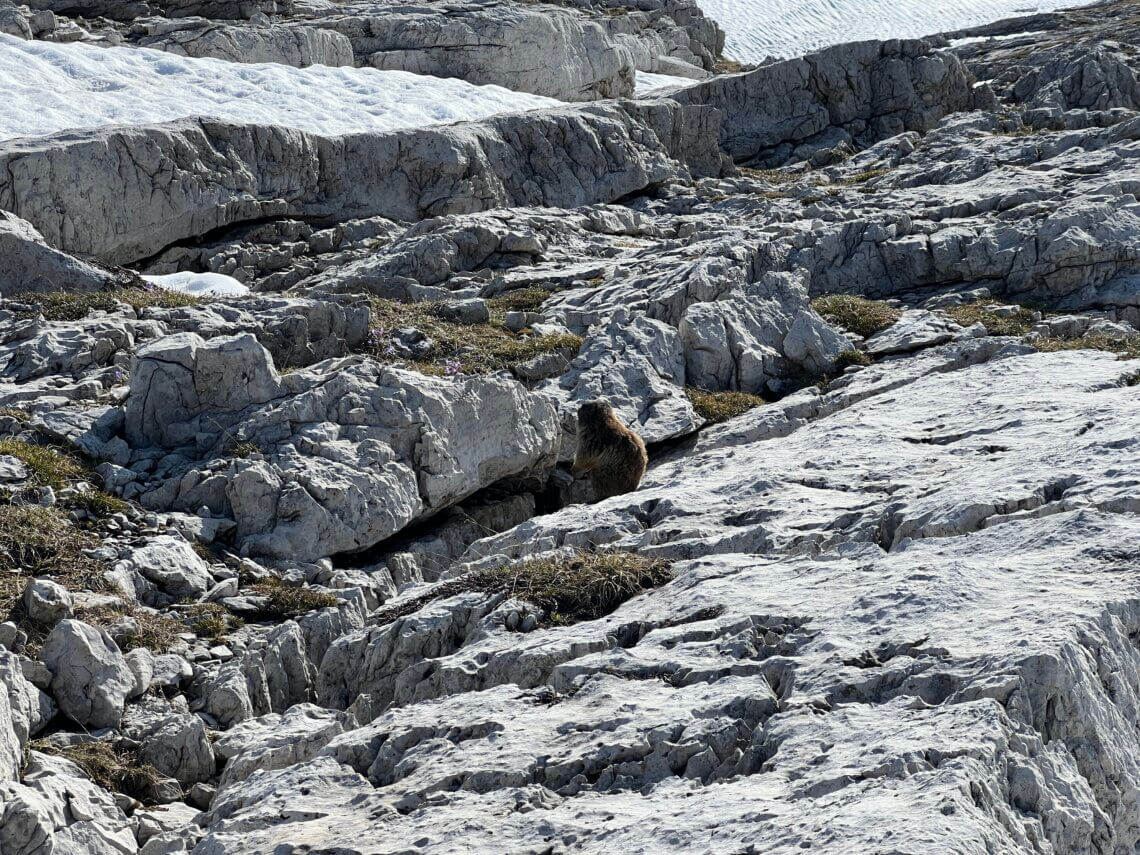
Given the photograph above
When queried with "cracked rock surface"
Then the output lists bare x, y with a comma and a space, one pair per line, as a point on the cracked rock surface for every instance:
309, 568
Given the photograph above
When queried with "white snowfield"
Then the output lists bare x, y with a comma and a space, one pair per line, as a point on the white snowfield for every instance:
47, 87
757, 29
200, 284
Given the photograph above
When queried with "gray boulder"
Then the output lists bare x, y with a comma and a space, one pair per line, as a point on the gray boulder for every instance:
46, 601
91, 680
163, 570
31, 265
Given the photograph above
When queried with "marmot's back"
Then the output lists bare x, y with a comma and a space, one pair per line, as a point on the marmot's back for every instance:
612, 454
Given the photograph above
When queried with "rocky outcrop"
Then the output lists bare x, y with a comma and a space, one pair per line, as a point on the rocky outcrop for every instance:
853, 94
297, 46
31, 265
543, 51
348, 453
216, 174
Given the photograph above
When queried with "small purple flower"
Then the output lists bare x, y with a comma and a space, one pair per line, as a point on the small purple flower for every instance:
119, 376
452, 367
390, 350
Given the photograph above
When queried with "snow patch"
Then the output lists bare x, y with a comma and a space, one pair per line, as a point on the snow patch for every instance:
200, 284
647, 82
47, 87
757, 29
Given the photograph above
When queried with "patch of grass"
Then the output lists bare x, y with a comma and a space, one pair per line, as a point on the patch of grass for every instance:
717, 407
519, 300
587, 586
49, 465
852, 357
212, 620
115, 770
40, 541
772, 176
724, 65
72, 306
863, 177
289, 601
856, 314
1018, 323
99, 504
1128, 347
22, 416
153, 631
469, 348
244, 449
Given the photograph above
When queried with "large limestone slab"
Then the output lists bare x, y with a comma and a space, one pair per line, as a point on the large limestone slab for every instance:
349, 452
861, 92
126, 193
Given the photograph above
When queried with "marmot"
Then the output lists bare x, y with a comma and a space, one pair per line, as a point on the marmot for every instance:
612, 454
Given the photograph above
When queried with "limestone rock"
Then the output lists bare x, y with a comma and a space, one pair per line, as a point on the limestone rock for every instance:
228, 174
90, 678
865, 91
352, 451
164, 570
276, 741
46, 602
31, 265
298, 46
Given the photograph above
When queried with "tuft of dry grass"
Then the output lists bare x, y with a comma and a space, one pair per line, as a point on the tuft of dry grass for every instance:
856, 314
49, 465
22, 416
154, 631
852, 357
289, 601
587, 586
1018, 323
212, 620
1128, 347
471, 348
112, 769
73, 306
717, 407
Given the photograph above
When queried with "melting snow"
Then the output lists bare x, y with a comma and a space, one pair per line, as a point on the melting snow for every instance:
760, 28
200, 284
47, 87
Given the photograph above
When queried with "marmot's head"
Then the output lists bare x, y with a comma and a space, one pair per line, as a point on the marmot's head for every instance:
594, 413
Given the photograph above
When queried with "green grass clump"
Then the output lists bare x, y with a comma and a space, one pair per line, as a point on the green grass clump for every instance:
852, 357
99, 504
587, 586
289, 601
471, 348
1128, 347
115, 770
982, 313
49, 466
717, 407
72, 306
212, 620
40, 541
244, 449
856, 314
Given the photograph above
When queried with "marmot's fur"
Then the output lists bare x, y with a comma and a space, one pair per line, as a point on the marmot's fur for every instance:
610, 453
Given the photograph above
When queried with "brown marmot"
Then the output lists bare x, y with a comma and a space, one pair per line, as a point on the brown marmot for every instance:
612, 454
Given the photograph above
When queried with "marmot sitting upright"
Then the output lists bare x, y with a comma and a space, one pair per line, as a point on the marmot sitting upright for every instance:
612, 454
